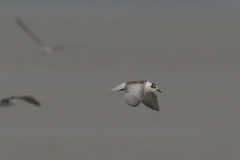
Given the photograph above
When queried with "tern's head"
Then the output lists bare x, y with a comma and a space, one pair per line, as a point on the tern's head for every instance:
151, 87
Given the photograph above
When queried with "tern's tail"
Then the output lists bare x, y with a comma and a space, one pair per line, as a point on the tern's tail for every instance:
119, 87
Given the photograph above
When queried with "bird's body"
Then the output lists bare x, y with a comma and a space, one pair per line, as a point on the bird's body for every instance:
13, 99
8, 101
139, 91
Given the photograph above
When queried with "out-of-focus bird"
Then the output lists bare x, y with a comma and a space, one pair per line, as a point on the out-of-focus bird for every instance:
47, 49
13, 99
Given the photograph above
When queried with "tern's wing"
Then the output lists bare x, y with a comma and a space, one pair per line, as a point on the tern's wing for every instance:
134, 94
28, 31
150, 100
119, 87
29, 99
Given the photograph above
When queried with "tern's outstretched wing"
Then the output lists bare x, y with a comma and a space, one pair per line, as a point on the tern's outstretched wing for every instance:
150, 100
29, 99
119, 87
28, 31
134, 94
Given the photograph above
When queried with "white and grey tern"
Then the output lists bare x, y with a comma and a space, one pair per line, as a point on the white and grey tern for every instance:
139, 91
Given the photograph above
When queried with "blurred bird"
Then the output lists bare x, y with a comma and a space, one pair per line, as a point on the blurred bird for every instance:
139, 91
47, 49
13, 99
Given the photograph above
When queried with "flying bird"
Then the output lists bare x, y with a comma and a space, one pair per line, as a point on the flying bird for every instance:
13, 99
139, 91
47, 49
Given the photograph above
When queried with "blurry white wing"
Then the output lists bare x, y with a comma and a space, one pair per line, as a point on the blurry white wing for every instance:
119, 87
150, 100
28, 31
134, 94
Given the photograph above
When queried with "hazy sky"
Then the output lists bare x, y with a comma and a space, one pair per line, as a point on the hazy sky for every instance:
190, 50
121, 9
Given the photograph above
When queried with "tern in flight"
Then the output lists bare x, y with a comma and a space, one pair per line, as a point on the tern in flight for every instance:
13, 99
47, 49
139, 91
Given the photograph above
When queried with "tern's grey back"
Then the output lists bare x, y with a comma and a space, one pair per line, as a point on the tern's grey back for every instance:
136, 82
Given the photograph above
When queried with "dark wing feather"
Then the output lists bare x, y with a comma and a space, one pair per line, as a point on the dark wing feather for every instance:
150, 100
28, 31
30, 100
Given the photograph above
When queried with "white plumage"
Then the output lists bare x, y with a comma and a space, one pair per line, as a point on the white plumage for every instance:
139, 91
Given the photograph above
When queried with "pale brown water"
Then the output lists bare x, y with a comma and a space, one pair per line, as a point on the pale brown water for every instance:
194, 61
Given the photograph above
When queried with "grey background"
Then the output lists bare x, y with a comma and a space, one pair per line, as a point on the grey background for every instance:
190, 49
